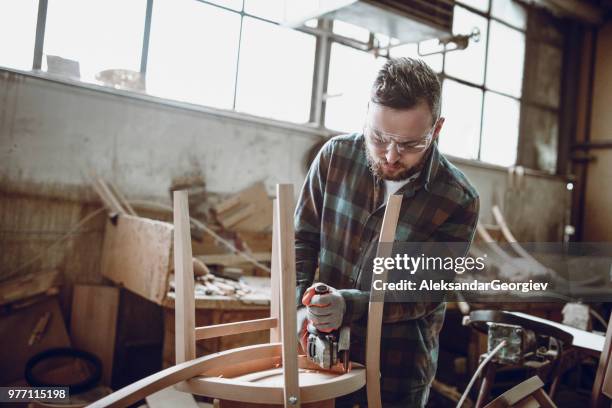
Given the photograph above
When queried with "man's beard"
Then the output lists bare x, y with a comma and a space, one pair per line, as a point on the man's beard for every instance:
376, 167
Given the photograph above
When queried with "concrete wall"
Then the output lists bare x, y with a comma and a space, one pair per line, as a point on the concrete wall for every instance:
52, 135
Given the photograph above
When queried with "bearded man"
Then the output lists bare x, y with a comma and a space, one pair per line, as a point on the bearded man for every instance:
339, 216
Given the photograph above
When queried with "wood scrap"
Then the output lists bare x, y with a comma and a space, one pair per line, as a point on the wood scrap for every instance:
248, 210
121, 198
29, 285
94, 312
137, 254
39, 329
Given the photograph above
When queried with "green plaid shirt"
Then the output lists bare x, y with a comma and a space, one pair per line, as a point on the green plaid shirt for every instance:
338, 220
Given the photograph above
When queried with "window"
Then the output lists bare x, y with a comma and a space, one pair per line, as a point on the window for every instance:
275, 71
500, 129
482, 85
348, 88
461, 107
228, 54
234, 55
193, 52
17, 33
468, 64
272, 10
92, 36
506, 59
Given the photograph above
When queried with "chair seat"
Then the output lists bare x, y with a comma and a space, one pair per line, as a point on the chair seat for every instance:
260, 380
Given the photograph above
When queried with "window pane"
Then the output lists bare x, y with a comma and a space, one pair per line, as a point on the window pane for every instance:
270, 9
482, 5
468, 64
99, 35
17, 33
411, 50
511, 12
275, 72
348, 88
461, 106
506, 58
193, 51
233, 4
500, 130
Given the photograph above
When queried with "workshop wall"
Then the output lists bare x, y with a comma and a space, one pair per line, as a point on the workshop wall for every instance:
53, 135
598, 198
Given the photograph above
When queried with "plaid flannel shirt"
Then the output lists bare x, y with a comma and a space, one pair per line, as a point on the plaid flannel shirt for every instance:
337, 221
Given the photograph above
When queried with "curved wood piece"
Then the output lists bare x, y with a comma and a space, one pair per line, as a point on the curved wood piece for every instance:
266, 387
602, 386
508, 236
286, 262
375, 311
184, 309
134, 392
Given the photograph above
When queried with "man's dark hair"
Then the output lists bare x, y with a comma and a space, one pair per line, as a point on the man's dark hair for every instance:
403, 83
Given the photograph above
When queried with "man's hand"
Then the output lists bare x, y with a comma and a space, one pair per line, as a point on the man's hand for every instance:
325, 311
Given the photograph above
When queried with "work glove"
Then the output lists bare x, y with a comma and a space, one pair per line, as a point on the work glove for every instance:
324, 311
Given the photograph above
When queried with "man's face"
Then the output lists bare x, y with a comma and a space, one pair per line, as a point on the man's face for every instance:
412, 130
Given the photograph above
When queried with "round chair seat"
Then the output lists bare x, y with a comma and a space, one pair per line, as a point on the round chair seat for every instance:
259, 379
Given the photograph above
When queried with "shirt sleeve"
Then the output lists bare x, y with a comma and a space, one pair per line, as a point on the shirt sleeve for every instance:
458, 228
308, 215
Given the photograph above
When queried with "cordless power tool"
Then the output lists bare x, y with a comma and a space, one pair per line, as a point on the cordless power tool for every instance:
327, 349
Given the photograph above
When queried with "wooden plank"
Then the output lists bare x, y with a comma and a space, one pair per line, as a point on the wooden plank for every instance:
233, 259
286, 261
227, 329
27, 286
121, 198
248, 210
109, 197
137, 255
183, 267
275, 332
15, 331
93, 323
375, 311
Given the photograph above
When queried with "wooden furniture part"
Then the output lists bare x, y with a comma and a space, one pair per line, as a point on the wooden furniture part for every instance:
602, 386
272, 373
93, 323
27, 286
375, 311
529, 393
137, 254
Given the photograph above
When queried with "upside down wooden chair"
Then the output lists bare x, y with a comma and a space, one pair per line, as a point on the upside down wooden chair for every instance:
260, 375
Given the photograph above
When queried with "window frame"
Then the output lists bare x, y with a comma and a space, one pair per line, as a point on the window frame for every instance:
324, 37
